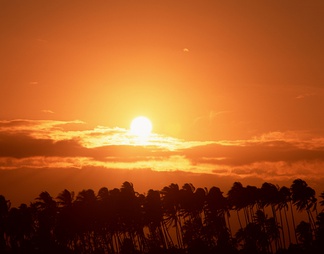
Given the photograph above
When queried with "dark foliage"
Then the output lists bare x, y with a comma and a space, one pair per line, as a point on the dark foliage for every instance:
173, 220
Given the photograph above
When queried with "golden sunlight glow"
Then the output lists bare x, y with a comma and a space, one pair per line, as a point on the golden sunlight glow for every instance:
141, 126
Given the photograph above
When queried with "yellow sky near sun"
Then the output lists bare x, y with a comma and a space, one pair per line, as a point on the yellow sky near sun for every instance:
249, 65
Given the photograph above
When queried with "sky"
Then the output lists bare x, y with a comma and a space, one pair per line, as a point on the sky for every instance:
234, 91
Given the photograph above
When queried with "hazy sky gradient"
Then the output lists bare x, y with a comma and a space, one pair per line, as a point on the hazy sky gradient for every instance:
234, 89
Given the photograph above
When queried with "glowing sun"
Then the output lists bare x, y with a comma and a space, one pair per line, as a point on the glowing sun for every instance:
141, 126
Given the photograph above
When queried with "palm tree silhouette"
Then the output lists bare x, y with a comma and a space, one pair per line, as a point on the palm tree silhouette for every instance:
252, 239
304, 233
20, 228
65, 198
217, 227
154, 221
319, 242
173, 220
237, 200
132, 221
4, 209
171, 207
270, 197
66, 224
322, 201
45, 209
303, 197
284, 197
86, 222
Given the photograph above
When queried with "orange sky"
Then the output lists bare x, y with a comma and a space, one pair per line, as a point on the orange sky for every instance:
234, 89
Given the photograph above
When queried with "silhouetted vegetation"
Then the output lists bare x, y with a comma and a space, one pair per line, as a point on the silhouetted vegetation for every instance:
172, 220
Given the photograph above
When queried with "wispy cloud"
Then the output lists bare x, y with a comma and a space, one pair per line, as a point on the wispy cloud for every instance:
303, 96
48, 111
33, 82
211, 116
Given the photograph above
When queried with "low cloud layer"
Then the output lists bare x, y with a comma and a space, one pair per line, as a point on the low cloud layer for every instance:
59, 144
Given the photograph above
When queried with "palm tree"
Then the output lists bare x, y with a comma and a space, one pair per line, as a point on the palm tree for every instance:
198, 202
195, 235
261, 219
270, 197
113, 217
4, 209
66, 224
45, 211
319, 241
322, 201
131, 215
252, 239
304, 233
303, 197
20, 228
186, 194
236, 200
284, 197
273, 231
65, 198
107, 219
85, 207
171, 208
216, 210
253, 197
154, 221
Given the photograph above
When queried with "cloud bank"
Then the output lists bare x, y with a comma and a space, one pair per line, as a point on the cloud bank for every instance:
59, 144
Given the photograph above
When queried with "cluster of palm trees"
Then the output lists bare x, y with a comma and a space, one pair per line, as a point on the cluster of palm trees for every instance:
172, 220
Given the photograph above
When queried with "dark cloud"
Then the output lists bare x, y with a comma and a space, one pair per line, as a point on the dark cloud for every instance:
16, 123
126, 153
31, 144
21, 145
252, 152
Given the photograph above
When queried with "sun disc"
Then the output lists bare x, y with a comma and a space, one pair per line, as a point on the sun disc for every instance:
141, 126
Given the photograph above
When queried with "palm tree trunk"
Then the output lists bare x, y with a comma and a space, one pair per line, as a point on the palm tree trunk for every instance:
311, 222
293, 220
247, 221
228, 223
288, 228
178, 232
169, 240
239, 220
162, 237
277, 242
282, 230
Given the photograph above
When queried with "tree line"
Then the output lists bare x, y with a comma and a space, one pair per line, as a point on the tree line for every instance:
172, 220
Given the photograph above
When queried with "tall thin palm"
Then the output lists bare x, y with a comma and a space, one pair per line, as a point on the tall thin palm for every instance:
131, 214
65, 230
45, 211
171, 207
270, 197
154, 220
217, 209
236, 200
303, 197
284, 197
